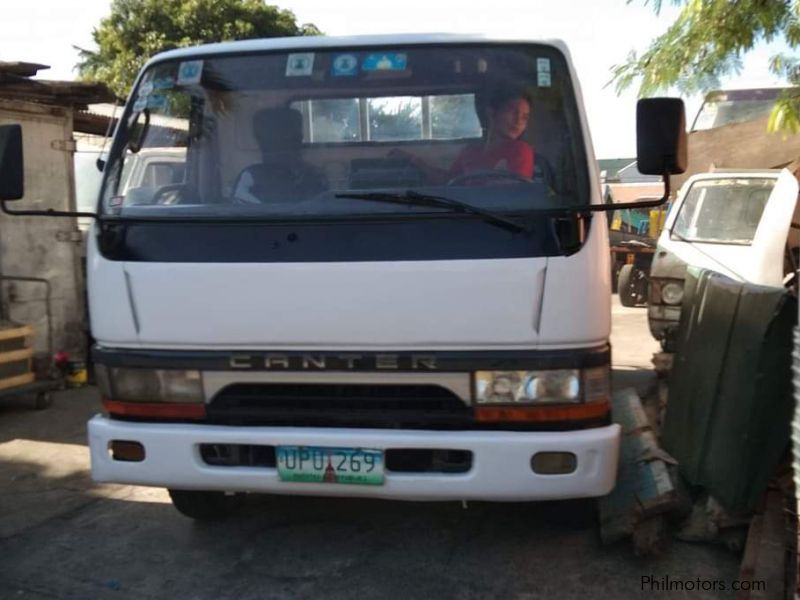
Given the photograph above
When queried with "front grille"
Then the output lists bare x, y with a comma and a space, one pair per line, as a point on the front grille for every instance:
340, 405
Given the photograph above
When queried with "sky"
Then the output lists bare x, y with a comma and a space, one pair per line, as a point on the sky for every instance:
599, 33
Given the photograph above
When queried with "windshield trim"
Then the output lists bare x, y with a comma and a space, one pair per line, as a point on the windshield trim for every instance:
361, 42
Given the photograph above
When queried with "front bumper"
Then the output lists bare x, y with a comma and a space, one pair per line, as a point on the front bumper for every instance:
663, 320
501, 466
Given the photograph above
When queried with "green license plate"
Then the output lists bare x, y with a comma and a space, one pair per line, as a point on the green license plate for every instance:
313, 464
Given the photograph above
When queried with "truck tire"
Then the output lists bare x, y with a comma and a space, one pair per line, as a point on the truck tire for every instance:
631, 286
204, 506
43, 400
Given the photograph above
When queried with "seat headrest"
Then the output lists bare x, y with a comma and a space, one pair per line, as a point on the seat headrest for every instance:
278, 129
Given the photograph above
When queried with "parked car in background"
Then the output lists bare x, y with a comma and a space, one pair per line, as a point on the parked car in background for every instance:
149, 169
738, 223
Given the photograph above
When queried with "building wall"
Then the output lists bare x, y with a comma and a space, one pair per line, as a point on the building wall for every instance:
44, 247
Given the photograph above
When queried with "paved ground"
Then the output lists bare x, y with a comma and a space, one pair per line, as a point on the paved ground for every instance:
63, 537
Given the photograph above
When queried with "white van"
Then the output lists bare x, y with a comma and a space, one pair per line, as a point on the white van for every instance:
737, 222
375, 276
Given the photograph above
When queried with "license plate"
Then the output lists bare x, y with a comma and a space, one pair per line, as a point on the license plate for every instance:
313, 464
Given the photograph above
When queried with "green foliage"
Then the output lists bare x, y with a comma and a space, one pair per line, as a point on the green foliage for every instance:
399, 121
708, 40
138, 29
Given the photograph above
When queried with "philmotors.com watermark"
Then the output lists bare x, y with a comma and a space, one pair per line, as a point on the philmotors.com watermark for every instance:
665, 583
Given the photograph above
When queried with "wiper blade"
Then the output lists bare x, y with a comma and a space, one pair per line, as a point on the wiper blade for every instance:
412, 198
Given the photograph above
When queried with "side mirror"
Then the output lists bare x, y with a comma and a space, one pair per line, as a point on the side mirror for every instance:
661, 136
11, 171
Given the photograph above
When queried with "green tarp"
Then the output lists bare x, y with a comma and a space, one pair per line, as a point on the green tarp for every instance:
730, 395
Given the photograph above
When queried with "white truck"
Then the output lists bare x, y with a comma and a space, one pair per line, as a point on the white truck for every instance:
307, 310
741, 223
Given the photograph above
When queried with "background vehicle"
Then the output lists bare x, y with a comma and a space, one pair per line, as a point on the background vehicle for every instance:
739, 223
633, 234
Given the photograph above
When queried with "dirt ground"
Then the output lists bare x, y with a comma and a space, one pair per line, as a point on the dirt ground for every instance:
61, 536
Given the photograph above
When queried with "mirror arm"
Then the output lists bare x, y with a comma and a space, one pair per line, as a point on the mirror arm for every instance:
638, 204
45, 213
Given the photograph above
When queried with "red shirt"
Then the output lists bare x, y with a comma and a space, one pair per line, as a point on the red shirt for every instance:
513, 155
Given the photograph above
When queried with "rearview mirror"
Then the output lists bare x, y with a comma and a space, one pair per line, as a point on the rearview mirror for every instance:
661, 136
11, 172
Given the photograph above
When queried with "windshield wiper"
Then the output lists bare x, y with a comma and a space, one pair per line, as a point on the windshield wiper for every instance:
412, 198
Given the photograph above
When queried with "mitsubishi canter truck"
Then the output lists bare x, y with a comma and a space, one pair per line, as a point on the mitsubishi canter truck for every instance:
381, 271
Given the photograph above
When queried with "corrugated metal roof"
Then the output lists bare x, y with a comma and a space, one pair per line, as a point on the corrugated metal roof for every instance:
16, 84
21, 69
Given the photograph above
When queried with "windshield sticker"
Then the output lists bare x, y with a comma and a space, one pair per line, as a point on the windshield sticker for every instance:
344, 65
145, 89
544, 79
385, 61
163, 83
300, 65
543, 65
157, 101
190, 72
140, 104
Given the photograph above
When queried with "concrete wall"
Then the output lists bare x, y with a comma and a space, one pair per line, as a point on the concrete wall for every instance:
44, 247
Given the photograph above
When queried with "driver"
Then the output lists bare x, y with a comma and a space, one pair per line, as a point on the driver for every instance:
507, 113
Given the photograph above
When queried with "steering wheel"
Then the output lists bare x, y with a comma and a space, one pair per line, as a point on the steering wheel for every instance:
172, 193
489, 174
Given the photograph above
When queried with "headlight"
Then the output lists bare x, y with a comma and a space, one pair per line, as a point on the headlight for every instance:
551, 386
149, 385
528, 387
672, 293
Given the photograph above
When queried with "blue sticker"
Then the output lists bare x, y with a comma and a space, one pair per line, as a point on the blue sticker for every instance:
156, 101
163, 83
190, 72
344, 65
385, 61
146, 88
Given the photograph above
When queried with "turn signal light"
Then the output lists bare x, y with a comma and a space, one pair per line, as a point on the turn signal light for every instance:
528, 414
156, 410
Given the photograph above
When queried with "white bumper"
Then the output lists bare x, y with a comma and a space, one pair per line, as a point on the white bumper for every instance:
501, 466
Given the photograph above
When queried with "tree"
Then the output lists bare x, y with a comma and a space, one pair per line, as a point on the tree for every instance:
138, 29
708, 40
395, 120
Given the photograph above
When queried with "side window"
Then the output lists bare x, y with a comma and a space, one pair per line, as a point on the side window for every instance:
454, 117
164, 173
395, 119
389, 119
331, 120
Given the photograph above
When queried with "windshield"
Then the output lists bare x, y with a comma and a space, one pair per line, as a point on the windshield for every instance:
723, 210
288, 134
735, 106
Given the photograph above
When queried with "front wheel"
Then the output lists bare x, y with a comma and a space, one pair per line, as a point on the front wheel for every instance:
204, 506
43, 400
631, 286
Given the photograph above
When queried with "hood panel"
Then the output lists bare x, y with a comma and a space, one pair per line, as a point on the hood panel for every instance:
432, 304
